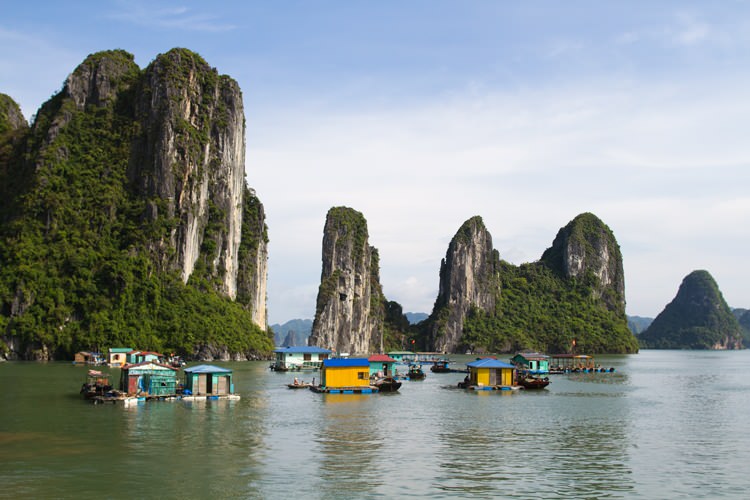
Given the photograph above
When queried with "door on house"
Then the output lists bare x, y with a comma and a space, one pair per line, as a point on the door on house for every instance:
223, 385
202, 383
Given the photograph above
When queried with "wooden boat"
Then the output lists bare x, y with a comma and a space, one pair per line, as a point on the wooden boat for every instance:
299, 385
440, 366
416, 372
96, 385
532, 382
387, 384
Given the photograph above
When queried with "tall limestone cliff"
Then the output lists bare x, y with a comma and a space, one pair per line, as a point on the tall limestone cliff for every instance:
468, 279
130, 221
573, 298
13, 127
350, 305
697, 318
586, 250
190, 157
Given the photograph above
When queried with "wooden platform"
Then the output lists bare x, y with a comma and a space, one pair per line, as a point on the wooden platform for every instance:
344, 390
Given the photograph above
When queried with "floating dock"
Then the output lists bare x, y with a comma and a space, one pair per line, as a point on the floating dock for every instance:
344, 390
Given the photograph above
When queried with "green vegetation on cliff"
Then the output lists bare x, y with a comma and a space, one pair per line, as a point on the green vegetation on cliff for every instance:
545, 305
697, 318
76, 269
537, 309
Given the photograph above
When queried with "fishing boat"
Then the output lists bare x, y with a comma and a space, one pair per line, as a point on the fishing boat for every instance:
440, 366
529, 381
416, 372
96, 385
386, 384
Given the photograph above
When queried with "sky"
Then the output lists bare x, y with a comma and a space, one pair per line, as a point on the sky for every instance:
421, 114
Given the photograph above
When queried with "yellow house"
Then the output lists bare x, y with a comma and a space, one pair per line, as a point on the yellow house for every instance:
347, 376
491, 374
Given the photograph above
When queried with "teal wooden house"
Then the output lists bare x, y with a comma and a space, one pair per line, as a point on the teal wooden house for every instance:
149, 379
531, 362
402, 356
208, 380
381, 364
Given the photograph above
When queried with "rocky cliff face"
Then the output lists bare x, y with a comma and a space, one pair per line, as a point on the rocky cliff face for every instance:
126, 179
697, 318
349, 311
252, 275
574, 293
11, 118
468, 279
191, 157
586, 249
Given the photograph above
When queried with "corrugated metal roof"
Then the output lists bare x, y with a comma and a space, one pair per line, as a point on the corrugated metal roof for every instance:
381, 358
207, 369
532, 355
338, 362
148, 363
489, 363
304, 350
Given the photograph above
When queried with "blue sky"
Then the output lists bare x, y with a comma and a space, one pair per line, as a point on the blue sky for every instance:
422, 114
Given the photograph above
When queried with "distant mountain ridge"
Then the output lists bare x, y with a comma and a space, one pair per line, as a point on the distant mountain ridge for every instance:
298, 329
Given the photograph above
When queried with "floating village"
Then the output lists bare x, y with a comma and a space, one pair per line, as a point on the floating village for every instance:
148, 376
386, 372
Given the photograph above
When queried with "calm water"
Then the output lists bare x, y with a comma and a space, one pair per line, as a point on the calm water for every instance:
667, 424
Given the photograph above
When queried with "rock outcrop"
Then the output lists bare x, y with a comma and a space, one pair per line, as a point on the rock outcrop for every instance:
132, 220
11, 118
349, 311
468, 279
573, 296
191, 156
697, 318
586, 249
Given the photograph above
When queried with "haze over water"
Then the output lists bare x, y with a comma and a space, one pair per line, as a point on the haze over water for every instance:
666, 424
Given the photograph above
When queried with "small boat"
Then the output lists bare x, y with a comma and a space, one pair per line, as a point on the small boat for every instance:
440, 366
96, 385
299, 384
416, 372
532, 382
387, 384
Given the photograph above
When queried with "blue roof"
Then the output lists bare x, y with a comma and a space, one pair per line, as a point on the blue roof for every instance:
346, 362
304, 350
489, 363
207, 369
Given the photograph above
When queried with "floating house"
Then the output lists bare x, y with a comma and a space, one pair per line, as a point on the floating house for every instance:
381, 364
403, 356
563, 363
490, 374
299, 358
531, 362
149, 380
345, 376
118, 356
209, 382
88, 358
135, 357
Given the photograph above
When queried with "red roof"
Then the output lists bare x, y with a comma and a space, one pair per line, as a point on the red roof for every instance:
381, 358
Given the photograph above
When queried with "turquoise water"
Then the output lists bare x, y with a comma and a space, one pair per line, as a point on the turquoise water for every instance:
666, 424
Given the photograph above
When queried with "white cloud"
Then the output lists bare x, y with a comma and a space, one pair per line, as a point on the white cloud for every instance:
657, 165
178, 17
